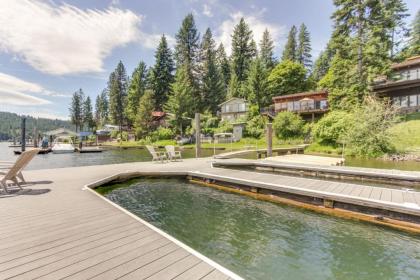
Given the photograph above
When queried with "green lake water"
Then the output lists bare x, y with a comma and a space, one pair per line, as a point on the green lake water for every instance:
262, 240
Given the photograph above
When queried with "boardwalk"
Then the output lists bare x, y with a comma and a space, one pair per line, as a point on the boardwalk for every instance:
55, 229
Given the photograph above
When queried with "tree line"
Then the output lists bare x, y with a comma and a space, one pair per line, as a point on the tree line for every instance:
198, 75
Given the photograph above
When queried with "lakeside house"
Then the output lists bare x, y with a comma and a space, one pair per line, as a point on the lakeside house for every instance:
233, 109
310, 105
402, 87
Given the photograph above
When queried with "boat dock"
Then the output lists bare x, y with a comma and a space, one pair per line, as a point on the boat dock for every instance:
58, 227
261, 152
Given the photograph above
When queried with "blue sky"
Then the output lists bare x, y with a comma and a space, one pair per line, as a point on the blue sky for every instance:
49, 49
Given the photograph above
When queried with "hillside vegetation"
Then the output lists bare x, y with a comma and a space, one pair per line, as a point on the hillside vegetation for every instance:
406, 136
10, 125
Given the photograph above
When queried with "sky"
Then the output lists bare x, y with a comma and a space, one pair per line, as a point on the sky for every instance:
50, 48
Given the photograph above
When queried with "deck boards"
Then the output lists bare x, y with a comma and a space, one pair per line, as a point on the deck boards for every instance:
58, 230
55, 229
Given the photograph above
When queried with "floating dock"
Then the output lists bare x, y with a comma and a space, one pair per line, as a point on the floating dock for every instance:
58, 227
261, 152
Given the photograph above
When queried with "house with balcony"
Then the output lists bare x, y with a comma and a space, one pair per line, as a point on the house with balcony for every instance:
402, 87
233, 109
309, 105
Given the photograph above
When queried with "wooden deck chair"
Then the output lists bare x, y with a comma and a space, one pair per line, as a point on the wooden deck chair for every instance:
172, 154
156, 156
14, 171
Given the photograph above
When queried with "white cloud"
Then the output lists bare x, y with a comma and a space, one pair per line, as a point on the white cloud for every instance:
207, 10
14, 91
47, 115
63, 39
257, 25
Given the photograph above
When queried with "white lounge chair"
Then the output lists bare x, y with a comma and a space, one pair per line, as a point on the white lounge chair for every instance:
172, 154
156, 156
13, 171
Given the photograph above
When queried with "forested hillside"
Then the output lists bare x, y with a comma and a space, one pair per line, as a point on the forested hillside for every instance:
10, 125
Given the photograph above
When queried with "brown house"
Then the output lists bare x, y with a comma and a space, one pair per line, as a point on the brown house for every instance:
403, 85
310, 105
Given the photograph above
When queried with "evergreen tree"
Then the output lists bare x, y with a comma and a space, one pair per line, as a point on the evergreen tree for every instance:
234, 87
267, 51
135, 91
180, 102
87, 114
321, 65
212, 85
118, 95
303, 52
223, 64
362, 43
286, 78
144, 119
289, 52
257, 86
187, 55
161, 75
76, 109
243, 50
414, 42
98, 111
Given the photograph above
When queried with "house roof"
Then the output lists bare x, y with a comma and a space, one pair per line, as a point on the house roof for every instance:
158, 114
412, 61
300, 94
233, 98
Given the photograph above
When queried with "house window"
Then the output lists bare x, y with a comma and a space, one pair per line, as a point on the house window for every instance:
396, 101
290, 106
227, 108
296, 105
404, 101
412, 101
283, 105
242, 107
323, 104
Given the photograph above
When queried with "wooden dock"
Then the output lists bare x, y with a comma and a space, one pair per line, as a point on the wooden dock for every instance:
57, 228
261, 152
54, 229
308, 159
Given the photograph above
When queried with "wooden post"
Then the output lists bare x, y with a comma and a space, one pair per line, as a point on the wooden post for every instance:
197, 135
35, 137
269, 139
23, 136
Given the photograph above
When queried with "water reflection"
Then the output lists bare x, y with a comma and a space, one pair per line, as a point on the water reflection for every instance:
261, 240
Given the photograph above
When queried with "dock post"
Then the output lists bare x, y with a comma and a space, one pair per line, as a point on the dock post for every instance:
23, 132
269, 139
197, 135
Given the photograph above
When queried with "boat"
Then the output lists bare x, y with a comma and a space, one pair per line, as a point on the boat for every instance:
62, 145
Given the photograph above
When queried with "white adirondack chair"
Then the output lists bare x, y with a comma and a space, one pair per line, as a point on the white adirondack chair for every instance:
13, 171
173, 155
156, 156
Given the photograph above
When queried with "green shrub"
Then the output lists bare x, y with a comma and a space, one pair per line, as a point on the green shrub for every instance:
255, 127
370, 134
116, 135
224, 126
332, 128
288, 125
162, 133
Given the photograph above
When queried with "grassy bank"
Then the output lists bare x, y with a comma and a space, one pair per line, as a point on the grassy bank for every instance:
249, 143
406, 136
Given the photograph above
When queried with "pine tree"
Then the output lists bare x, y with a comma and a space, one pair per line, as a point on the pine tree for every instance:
144, 119
303, 52
187, 55
98, 112
135, 91
223, 64
414, 42
289, 52
212, 86
243, 50
267, 51
87, 114
257, 86
161, 75
118, 96
234, 87
180, 102
76, 109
